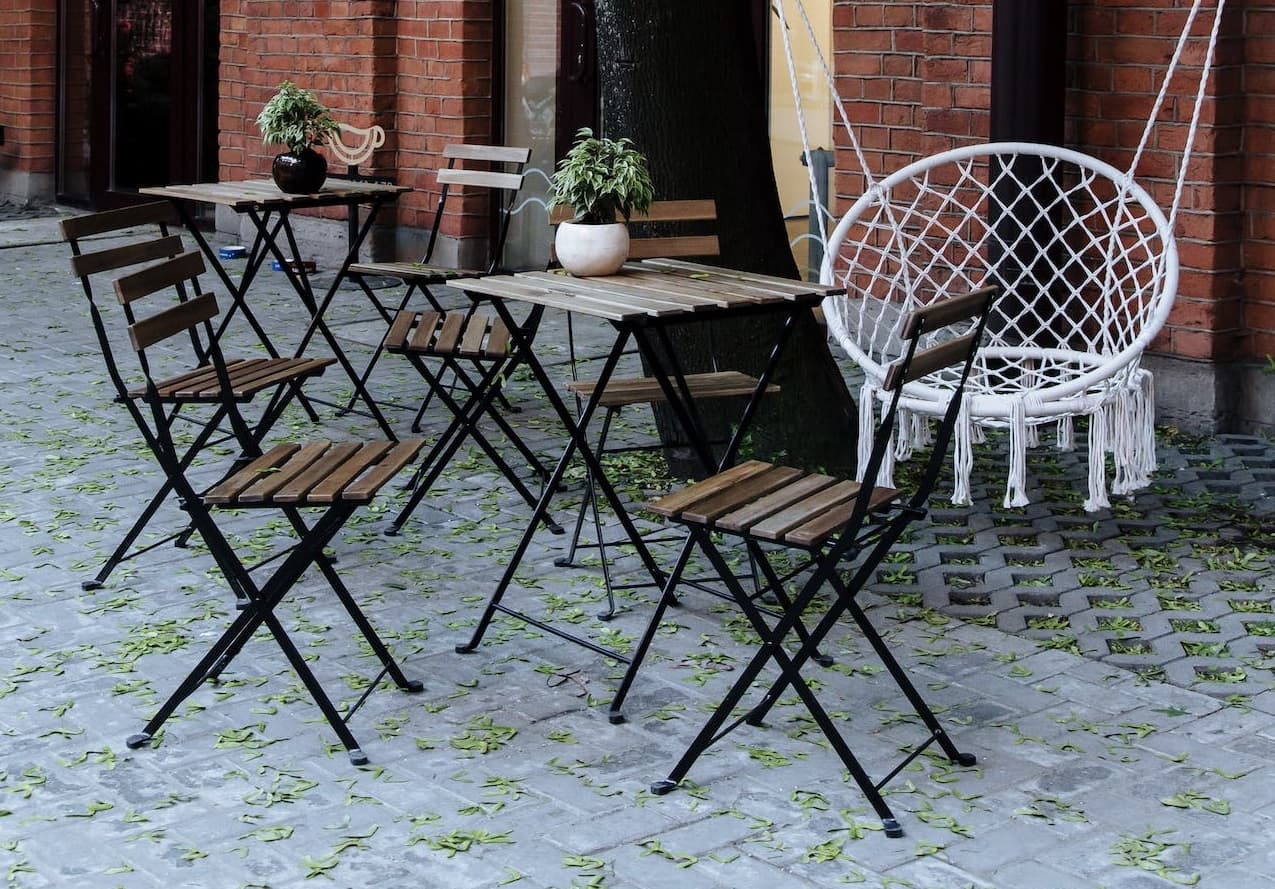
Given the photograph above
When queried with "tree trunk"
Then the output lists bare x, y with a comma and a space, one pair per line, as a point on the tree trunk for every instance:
681, 79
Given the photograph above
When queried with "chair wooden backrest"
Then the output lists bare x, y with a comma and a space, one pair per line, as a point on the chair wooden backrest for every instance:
150, 324
157, 255
498, 168
951, 350
666, 229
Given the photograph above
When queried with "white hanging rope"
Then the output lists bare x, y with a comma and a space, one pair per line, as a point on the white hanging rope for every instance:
1195, 116
817, 207
779, 7
823, 213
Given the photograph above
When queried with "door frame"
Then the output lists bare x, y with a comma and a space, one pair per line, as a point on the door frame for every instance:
190, 143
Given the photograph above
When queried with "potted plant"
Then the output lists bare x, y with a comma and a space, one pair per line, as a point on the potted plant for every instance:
599, 179
295, 118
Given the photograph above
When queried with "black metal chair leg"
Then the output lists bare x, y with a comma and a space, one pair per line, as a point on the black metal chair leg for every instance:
464, 425
373, 639
667, 598
909, 690
380, 347
773, 648
776, 585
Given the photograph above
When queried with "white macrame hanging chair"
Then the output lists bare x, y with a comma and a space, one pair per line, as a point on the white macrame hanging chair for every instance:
1068, 332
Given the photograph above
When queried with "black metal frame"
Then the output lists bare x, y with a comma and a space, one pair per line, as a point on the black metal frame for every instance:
247, 436
269, 221
480, 402
258, 601
866, 538
645, 332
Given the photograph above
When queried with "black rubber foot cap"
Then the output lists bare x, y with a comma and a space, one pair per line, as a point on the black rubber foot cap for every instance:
966, 759
90, 585
357, 757
464, 649
606, 615
138, 740
554, 527
892, 827
756, 721
823, 660
616, 717
660, 788
560, 562
413, 686
391, 531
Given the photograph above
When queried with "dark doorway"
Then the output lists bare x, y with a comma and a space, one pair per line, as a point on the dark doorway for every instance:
577, 74
138, 96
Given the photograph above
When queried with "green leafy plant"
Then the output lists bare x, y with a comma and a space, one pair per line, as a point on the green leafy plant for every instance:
295, 118
602, 178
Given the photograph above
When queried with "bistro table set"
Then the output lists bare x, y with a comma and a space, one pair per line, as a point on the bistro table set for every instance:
841, 528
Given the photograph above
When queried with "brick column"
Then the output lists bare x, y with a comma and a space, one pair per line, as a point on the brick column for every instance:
28, 69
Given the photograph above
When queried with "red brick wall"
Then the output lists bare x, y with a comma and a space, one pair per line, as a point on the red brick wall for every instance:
27, 75
421, 69
916, 76
1120, 52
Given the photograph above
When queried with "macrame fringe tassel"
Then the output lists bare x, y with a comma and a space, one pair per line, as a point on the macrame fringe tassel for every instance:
963, 457
1134, 434
1016, 485
1099, 422
1066, 434
867, 427
922, 434
904, 438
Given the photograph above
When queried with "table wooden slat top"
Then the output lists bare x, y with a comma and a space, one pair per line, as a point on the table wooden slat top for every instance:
264, 193
654, 288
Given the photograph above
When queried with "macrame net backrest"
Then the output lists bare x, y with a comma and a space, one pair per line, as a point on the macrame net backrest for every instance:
1100, 287
1086, 259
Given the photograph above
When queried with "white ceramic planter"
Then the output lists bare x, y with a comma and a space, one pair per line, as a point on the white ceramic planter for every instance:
591, 250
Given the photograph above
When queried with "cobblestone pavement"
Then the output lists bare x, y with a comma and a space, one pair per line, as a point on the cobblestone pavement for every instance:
1125, 725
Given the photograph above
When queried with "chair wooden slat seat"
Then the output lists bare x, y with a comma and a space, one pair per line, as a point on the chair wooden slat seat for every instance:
463, 334
412, 272
779, 503
248, 376
318, 472
647, 390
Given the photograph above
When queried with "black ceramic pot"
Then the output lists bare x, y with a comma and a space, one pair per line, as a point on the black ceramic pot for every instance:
301, 173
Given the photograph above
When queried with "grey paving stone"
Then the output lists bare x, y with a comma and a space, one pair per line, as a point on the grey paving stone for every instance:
249, 788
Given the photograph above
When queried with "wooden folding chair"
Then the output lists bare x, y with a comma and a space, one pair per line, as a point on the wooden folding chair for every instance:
497, 171
335, 477
831, 521
132, 238
463, 353
669, 229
